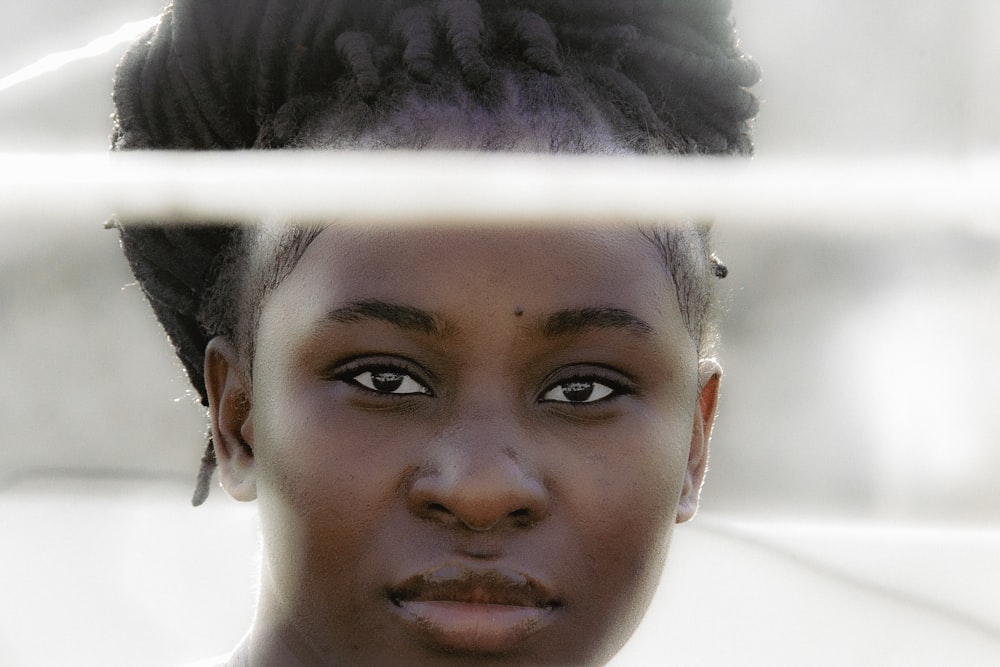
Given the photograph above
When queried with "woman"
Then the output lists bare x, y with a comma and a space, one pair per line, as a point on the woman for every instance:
466, 445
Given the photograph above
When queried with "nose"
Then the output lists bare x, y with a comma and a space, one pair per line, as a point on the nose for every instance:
476, 480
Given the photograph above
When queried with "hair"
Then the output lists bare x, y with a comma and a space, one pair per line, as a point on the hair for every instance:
578, 76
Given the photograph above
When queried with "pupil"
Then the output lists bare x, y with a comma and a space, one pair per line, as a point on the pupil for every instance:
387, 381
578, 391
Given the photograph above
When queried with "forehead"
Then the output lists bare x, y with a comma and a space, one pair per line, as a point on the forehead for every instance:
482, 275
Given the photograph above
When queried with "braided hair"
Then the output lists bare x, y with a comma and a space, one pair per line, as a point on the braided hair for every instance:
630, 76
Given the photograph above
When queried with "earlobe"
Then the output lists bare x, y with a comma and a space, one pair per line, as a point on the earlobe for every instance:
230, 410
709, 377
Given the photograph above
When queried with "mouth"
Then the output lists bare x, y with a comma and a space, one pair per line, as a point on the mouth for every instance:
481, 611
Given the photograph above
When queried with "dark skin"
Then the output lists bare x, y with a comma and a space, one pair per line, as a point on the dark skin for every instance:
466, 446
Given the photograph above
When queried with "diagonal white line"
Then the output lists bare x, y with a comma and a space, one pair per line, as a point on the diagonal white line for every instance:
96, 47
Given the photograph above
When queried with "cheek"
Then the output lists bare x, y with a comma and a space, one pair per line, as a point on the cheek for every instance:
636, 477
318, 463
324, 491
625, 504
322, 481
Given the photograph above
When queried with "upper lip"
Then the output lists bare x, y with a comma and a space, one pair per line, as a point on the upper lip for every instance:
455, 582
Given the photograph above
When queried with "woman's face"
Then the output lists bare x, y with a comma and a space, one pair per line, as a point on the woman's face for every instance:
466, 445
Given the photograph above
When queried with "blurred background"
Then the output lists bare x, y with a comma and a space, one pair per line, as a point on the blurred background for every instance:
852, 510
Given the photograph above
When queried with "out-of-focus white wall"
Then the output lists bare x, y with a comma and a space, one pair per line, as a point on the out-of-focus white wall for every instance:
68, 109
860, 377
885, 76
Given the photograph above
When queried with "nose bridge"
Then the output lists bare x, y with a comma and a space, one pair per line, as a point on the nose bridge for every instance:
480, 475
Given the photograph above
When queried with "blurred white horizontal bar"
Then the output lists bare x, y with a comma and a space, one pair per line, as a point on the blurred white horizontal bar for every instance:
860, 196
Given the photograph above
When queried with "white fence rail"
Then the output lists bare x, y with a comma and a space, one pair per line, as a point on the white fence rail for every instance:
849, 196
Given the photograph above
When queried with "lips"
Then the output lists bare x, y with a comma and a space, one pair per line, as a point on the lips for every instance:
463, 609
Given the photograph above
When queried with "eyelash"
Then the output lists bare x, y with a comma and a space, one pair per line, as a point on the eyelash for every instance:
352, 371
614, 386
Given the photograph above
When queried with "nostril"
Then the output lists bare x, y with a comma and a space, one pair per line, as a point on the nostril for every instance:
437, 508
522, 517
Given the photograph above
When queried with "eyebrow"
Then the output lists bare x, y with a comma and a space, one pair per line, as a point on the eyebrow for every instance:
568, 322
576, 321
404, 317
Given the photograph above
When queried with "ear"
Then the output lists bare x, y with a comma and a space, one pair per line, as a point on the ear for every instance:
230, 410
709, 377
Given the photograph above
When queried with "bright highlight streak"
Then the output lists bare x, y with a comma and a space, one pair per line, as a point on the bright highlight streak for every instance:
846, 196
101, 45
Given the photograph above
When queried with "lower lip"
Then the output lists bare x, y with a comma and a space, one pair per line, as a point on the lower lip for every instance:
473, 628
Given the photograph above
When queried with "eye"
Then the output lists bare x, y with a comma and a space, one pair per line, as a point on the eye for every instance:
581, 390
388, 381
